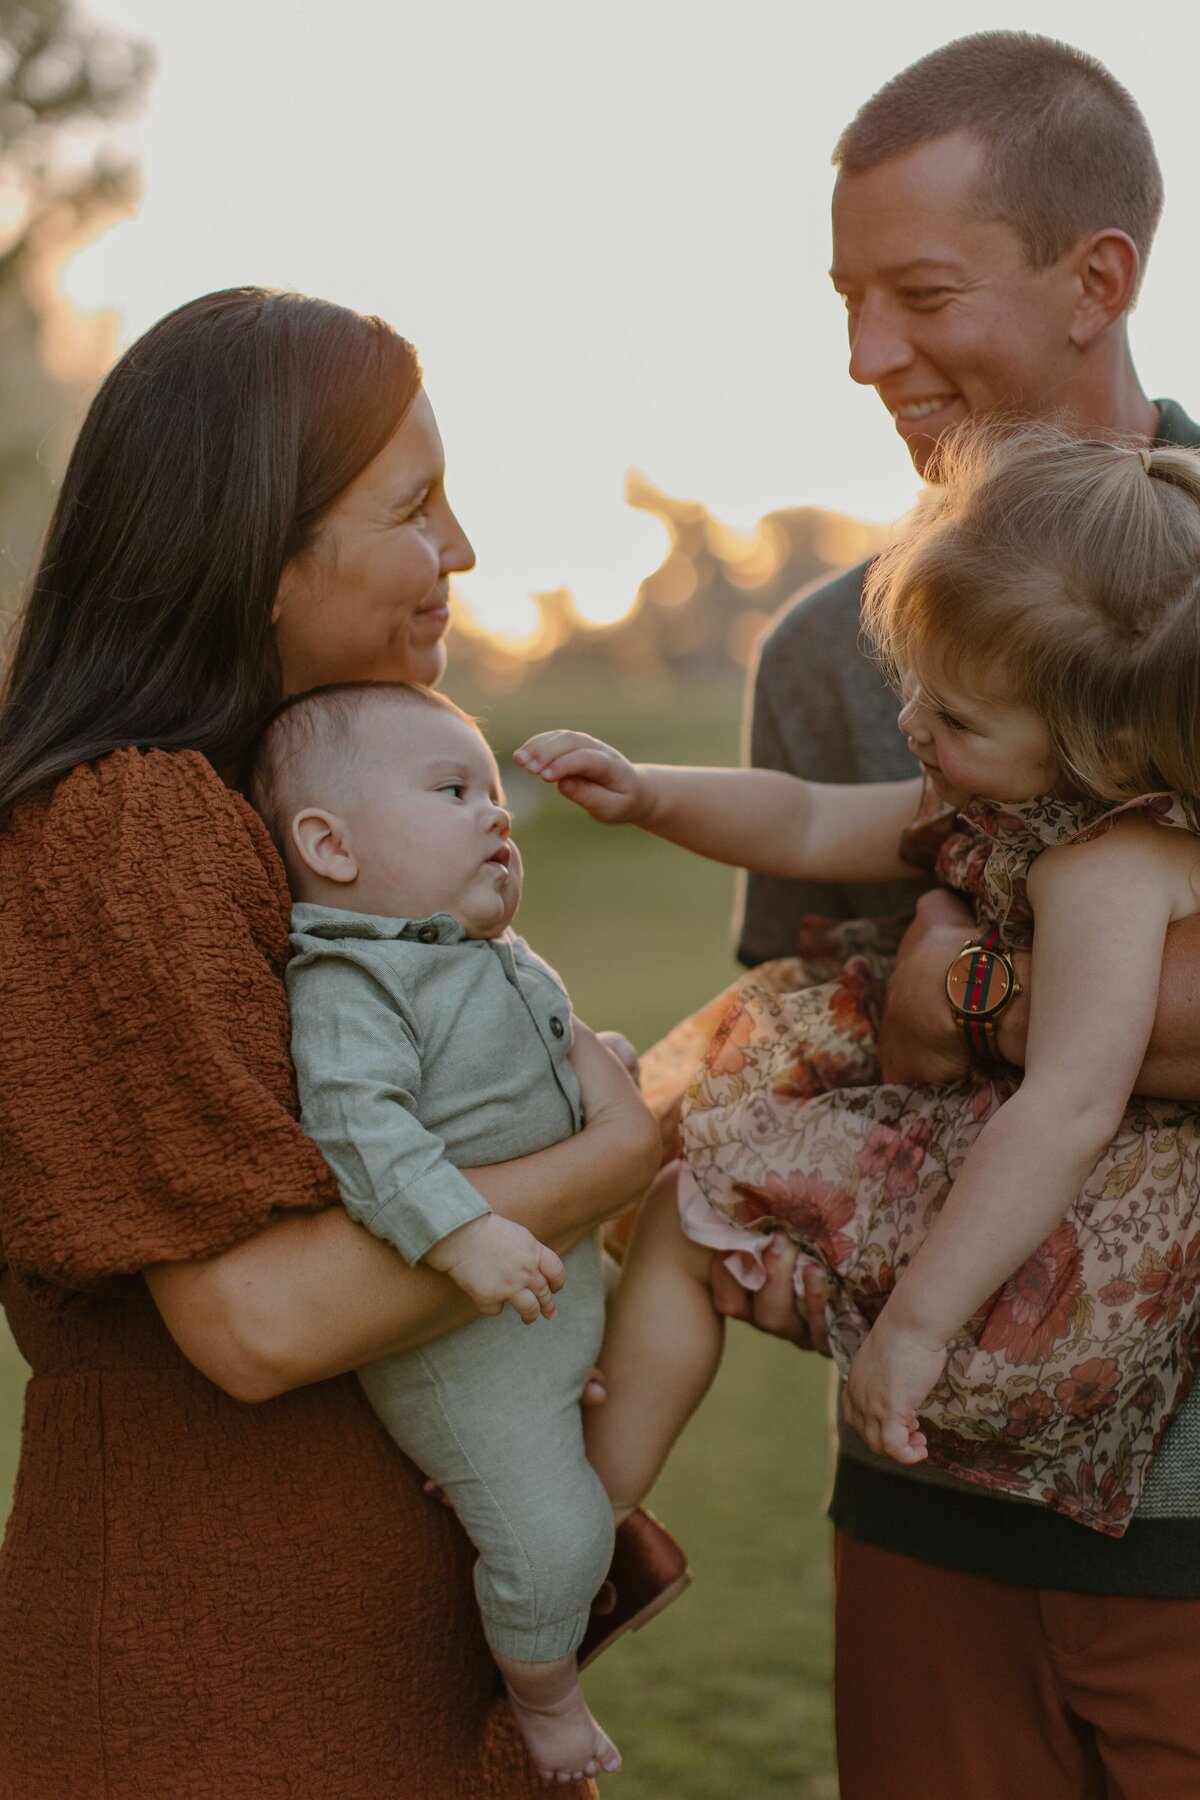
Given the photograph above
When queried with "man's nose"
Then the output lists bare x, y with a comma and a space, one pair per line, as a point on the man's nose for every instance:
879, 345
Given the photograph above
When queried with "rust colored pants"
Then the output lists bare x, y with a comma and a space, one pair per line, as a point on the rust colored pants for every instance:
954, 1687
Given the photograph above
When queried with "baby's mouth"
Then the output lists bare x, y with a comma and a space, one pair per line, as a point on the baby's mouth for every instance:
501, 855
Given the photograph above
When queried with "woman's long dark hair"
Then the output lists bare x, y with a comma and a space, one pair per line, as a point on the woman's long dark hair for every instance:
206, 460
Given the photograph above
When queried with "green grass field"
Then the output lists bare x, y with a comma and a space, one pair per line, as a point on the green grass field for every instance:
727, 1693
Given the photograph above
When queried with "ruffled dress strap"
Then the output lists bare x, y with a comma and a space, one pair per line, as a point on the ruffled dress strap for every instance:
989, 856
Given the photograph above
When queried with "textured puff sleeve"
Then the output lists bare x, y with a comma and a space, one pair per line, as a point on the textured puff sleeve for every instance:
147, 1103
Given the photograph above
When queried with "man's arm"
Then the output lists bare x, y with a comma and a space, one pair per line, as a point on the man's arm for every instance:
919, 1040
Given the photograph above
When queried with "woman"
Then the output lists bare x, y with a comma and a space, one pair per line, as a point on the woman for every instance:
200, 1596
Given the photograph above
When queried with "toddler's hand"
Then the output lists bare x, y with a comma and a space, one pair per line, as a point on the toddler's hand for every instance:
495, 1261
890, 1378
593, 775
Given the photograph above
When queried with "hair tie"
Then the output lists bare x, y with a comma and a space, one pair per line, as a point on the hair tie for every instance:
1144, 458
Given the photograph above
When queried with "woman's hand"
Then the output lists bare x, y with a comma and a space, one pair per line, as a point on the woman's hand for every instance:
918, 1038
594, 775
607, 1082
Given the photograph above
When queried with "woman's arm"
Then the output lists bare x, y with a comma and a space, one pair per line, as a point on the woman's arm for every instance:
757, 819
1102, 914
315, 1295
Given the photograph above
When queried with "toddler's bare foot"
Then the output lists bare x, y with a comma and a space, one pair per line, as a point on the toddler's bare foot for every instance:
562, 1738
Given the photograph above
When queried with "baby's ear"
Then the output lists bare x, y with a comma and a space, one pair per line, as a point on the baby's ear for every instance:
323, 844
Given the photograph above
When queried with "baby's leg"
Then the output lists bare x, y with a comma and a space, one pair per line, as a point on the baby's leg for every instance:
661, 1350
491, 1412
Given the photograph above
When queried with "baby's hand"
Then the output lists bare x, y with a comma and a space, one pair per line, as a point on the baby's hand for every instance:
495, 1261
593, 775
890, 1378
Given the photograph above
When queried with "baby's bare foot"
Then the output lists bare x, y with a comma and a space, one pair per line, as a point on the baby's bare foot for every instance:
563, 1739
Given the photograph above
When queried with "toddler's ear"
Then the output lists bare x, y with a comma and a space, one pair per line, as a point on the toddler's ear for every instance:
323, 844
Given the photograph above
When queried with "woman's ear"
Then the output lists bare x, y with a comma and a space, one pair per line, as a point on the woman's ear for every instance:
323, 844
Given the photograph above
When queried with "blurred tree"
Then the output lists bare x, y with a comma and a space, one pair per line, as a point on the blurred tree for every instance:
65, 173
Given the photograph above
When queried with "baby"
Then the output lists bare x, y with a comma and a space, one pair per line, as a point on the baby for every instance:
429, 1038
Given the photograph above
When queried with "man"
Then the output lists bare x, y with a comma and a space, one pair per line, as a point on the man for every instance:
994, 207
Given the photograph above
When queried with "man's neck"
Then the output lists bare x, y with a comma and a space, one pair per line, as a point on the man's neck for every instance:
1114, 403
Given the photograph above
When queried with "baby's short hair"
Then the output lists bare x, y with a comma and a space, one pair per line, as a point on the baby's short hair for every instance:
320, 734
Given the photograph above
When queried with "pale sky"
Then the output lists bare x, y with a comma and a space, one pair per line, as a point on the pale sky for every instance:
605, 227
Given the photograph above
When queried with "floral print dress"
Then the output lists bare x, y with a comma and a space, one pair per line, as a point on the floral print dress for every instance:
1063, 1384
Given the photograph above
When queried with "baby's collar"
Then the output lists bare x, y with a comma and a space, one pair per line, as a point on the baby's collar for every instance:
333, 922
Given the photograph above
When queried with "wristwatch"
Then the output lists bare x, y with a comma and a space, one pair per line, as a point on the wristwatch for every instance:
980, 982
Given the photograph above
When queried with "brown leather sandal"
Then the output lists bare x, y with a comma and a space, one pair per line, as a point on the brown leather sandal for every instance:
648, 1570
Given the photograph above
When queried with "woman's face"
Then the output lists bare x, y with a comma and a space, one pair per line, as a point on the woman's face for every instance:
368, 600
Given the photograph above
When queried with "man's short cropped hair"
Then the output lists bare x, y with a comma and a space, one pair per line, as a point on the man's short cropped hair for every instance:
1067, 151
316, 746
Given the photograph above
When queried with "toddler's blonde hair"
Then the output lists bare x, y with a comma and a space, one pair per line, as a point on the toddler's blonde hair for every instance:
1062, 575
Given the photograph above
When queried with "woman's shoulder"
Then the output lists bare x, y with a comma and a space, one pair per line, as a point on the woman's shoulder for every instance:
138, 821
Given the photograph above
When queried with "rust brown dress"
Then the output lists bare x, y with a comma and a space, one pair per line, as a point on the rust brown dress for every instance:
199, 1599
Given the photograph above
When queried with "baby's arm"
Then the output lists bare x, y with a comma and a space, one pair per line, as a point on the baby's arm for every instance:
757, 819
1102, 913
358, 1066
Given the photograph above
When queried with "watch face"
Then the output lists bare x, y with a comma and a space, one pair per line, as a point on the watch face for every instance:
978, 982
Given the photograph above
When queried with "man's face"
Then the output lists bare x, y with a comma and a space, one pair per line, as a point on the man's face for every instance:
946, 315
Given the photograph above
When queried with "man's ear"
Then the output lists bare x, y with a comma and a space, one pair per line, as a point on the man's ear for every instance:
1107, 266
322, 842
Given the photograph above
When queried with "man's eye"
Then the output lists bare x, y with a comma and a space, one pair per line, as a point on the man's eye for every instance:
924, 296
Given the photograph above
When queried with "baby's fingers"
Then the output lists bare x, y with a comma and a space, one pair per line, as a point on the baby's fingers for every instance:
551, 1269
533, 1306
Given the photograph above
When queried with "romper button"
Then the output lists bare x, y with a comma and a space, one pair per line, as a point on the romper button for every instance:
557, 1027
428, 934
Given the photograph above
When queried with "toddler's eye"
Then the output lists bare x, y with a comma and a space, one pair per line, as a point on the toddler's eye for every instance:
950, 722
457, 788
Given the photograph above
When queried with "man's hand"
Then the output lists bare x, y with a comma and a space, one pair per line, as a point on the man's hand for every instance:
776, 1307
918, 1038
594, 775
496, 1262
890, 1379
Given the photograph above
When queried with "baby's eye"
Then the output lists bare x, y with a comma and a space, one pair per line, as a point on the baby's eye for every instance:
457, 788
950, 722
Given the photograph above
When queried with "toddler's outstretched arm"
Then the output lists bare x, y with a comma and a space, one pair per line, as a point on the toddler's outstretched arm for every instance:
757, 819
1102, 913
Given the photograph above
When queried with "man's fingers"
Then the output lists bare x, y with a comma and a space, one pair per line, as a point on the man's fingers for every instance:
816, 1293
729, 1296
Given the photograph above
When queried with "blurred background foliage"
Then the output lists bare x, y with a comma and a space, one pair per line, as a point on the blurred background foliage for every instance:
728, 1693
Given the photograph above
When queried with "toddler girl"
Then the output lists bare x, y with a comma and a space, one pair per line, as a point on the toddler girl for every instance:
1015, 1262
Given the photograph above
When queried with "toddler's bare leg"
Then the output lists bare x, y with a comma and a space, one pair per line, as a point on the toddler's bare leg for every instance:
560, 1733
661, 1350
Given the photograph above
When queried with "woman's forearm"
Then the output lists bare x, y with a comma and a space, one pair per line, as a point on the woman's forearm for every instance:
315, 1295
